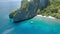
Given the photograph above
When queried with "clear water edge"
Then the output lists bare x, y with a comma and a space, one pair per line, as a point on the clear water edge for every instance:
39, 25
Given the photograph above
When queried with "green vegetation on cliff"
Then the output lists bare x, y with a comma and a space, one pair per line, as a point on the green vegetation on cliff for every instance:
51, 10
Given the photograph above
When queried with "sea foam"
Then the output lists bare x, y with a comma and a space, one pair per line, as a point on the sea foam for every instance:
47, 16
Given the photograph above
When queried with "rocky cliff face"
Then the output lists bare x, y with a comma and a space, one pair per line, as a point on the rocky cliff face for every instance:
28, 10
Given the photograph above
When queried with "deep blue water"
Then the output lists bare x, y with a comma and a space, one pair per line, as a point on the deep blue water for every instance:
37, 25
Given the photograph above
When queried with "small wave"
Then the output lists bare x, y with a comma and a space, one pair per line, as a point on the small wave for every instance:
8, 30
39, 15
51, 17
47, 16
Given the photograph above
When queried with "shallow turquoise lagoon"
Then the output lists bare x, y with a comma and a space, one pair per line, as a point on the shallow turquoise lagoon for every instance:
36, 25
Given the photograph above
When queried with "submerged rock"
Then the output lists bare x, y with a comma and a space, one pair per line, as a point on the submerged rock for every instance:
27, 12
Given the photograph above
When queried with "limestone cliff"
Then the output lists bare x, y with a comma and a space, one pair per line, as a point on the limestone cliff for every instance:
28, 10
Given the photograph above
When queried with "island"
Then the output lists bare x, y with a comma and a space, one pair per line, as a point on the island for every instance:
31, 8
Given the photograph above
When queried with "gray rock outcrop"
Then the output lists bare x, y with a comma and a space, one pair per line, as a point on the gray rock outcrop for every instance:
30, 11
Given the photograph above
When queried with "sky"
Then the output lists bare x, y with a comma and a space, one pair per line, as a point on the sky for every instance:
8, 0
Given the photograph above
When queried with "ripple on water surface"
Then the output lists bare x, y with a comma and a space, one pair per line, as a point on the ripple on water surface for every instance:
36, 25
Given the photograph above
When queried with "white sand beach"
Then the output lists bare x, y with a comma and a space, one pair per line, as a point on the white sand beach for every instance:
47, 16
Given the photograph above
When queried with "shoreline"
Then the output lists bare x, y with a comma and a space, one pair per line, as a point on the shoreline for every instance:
47, 16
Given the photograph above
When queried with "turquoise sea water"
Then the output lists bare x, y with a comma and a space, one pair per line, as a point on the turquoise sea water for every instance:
36, 25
